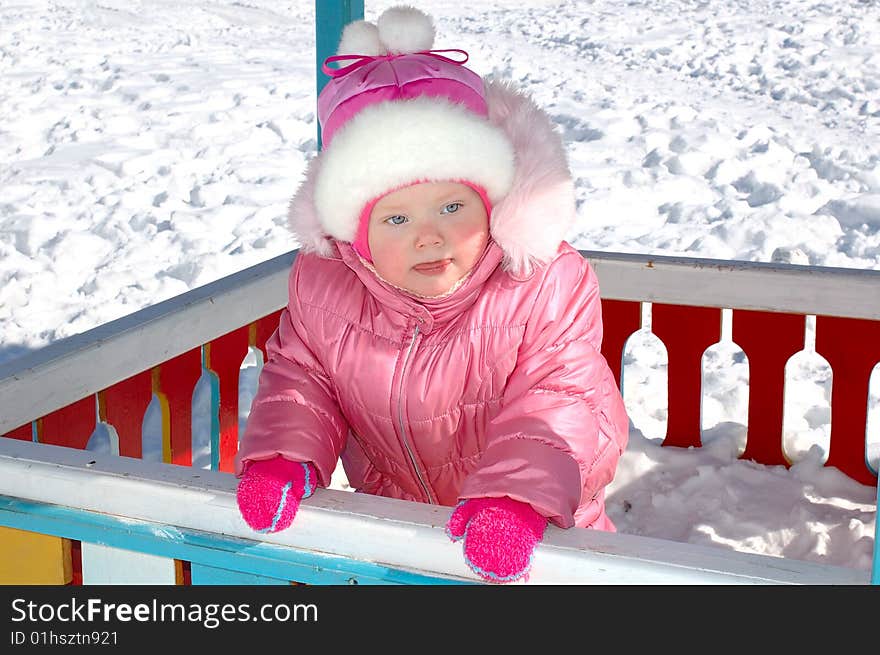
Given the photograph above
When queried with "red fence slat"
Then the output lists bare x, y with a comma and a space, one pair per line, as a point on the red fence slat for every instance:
769, 340
262, 329
686, 332
620, 318
223, 356
852, 348
123, 406
69, 426
24, 433
174, 382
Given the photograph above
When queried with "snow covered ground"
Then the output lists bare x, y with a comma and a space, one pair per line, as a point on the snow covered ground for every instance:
150, 147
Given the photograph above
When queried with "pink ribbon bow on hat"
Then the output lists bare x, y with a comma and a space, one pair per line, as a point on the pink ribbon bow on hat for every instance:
363, 60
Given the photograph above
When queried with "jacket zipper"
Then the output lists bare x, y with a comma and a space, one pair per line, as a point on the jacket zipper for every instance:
400, 420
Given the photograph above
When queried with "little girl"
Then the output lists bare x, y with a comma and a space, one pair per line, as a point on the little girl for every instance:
440, 337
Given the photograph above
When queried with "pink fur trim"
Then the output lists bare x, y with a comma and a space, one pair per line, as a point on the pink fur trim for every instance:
303, 217
535, 216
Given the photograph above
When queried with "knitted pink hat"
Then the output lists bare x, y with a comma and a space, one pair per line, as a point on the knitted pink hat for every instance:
398, 113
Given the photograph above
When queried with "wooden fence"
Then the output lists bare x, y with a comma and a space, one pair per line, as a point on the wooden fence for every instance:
57, 396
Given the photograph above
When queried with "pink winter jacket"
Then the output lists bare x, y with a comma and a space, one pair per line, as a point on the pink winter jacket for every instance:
498, 389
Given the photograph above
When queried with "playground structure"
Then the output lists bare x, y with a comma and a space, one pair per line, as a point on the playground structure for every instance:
69, 515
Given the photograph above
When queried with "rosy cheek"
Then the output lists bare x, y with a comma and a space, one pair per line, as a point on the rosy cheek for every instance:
389, 259
475, 238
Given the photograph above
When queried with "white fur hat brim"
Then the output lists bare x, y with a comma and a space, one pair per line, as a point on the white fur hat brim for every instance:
391, 144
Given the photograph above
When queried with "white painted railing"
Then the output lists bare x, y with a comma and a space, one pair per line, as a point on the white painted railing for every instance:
65, 371
745, 285
403, 536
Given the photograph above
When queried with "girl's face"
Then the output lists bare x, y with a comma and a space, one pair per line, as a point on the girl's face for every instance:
426, 237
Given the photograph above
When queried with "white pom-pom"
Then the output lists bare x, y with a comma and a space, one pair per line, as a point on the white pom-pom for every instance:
405, 29
360, 38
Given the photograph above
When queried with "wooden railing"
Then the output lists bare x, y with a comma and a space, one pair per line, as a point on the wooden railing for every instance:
59, 395
142, 522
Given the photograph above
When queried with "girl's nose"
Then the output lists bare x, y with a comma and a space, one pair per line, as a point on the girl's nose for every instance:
429, 236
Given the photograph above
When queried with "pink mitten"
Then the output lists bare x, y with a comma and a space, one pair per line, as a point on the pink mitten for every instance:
499, 536
270, 491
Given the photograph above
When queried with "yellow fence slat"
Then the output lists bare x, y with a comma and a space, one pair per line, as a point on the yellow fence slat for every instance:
29, 558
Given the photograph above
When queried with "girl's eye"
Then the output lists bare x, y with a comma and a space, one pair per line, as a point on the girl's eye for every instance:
396, 220
451, 208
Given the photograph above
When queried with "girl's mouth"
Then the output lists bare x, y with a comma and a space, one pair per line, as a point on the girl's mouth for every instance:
433, 268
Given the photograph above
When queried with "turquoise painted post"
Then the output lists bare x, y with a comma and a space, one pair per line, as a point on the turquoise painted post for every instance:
330, 17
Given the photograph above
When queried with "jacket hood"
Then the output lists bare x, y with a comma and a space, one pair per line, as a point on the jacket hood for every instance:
528, 223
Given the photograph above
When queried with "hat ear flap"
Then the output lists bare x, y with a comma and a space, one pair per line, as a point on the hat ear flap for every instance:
360, 38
